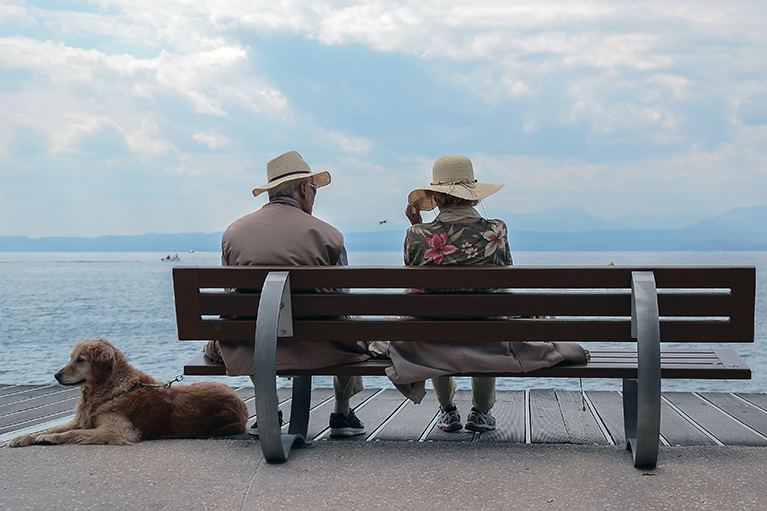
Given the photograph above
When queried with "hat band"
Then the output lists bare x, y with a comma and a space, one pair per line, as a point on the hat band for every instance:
453, 183
290, 174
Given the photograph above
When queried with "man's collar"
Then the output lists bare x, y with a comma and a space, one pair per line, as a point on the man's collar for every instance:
285, 200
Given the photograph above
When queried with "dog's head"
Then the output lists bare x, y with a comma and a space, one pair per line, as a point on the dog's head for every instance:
92, 361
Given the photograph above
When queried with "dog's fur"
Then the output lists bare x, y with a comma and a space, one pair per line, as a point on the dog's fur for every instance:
116, 408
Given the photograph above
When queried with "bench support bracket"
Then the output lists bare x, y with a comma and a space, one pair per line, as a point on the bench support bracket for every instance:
642, 396
275, 320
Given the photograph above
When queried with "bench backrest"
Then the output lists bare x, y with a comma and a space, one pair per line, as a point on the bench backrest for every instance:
697, 304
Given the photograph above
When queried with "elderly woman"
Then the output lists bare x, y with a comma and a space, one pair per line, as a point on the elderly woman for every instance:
460, 236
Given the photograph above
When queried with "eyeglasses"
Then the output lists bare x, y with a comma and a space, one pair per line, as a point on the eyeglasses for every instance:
313, 186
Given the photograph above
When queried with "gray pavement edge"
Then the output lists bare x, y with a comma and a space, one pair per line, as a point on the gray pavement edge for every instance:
226, 474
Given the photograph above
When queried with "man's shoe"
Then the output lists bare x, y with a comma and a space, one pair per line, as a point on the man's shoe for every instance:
253, 431
342, 426
449, 420
479, 421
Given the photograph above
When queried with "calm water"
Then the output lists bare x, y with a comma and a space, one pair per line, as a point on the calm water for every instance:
49, 301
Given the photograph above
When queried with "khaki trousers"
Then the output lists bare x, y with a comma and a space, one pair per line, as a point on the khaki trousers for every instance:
343, 386
482, 391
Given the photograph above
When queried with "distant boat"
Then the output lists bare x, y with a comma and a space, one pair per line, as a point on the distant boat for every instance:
174, 257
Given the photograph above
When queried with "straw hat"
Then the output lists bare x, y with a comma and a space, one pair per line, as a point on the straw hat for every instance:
453, 175
287, 167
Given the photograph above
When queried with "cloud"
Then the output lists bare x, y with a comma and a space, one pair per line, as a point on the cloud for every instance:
753, 111
64, 85
212, 140
612, 105
25, 140
346, 143
94, 135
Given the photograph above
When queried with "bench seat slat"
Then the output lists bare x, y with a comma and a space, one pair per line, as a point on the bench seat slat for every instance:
601, 365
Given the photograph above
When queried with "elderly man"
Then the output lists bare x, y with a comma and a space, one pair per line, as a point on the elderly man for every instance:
284, 232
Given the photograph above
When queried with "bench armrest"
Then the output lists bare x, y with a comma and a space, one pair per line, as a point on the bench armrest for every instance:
641, 397
274, 320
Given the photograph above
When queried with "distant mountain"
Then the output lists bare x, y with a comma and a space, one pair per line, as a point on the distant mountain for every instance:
576, 219
679, 220
556, 219
753, 218
553, 229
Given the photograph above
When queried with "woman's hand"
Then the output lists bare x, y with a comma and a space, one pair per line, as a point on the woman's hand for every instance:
413, 213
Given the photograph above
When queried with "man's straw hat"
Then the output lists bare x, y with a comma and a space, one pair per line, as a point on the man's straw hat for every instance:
453, 175
287, 167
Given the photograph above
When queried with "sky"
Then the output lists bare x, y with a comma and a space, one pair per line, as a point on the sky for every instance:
144, 116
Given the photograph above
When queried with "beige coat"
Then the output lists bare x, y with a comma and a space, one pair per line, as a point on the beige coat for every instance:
414, 362
280, 233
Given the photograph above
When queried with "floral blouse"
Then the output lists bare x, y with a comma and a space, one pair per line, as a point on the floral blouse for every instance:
439, 243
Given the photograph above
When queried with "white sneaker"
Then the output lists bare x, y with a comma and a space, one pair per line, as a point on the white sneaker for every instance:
449, 420
479, 421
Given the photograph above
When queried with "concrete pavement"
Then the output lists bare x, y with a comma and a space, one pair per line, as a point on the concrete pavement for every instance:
229, 474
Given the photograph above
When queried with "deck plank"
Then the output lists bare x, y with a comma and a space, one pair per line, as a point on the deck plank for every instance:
15, 389
609, 407
321, 405
759, 400
555, 416
714, 421
678, 431
749, 414
33, 406
66, 406
547, 424
31, 421
509, 412
377, 410
581, 426
14, 401
55, 400
411, 423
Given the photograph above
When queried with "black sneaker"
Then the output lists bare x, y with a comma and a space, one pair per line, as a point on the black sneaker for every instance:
342, 426
253, 431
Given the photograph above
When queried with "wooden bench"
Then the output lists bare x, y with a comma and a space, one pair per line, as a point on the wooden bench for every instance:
630, 311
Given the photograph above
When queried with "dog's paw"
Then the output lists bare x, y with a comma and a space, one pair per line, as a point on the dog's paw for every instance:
50, 439
21, 441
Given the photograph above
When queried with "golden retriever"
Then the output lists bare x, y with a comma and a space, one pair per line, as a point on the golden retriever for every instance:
121, 405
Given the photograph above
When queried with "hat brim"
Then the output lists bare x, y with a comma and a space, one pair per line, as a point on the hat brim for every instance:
421, 198
319, 179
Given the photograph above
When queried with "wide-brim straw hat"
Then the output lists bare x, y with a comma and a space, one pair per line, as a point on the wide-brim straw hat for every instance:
287, 167
452, 175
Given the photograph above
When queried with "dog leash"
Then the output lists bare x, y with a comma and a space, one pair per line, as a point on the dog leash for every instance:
165, 385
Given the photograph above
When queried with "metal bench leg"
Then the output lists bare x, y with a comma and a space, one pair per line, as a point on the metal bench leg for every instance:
630, 411
641, 397
274, 320
299, 407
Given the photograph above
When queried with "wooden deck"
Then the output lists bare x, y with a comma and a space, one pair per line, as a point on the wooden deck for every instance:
534, 416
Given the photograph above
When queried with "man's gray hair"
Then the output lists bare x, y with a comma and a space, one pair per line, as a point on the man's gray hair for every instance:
288, 189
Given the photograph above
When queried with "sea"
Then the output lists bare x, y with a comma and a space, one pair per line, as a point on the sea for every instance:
51, 300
